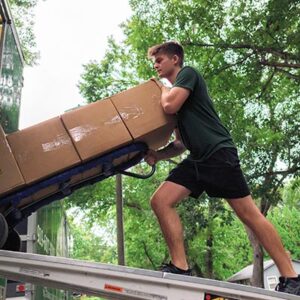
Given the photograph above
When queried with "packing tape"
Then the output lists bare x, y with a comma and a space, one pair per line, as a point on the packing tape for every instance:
131, 112
80, 132
58, 142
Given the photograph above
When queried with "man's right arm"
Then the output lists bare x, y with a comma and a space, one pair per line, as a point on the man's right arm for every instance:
173, 149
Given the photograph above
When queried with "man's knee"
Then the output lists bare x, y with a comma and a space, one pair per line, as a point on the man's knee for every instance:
167, 196
157, 202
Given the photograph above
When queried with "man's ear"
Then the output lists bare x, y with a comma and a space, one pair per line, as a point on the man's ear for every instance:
175, 58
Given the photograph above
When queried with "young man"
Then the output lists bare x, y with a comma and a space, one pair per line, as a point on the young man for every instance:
212, 165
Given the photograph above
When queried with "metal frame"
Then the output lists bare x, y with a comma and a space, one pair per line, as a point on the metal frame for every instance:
15, 214
118, 282
9, 20
2, 38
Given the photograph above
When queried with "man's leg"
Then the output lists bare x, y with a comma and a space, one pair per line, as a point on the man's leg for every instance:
250, 215
163, 204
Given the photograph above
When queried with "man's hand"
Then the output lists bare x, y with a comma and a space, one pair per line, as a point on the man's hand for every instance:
171, 150
165, 89
152, 157
157, 81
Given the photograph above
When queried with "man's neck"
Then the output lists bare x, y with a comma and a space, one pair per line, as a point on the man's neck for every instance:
173, 76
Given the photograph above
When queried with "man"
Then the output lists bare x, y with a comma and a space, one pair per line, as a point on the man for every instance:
212, 165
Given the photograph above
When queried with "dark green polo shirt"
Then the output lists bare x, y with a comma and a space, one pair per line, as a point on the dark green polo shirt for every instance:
199, 125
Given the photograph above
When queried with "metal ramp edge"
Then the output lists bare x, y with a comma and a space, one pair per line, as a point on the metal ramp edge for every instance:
118, 282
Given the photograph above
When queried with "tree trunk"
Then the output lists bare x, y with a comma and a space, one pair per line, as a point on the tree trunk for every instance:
209, 254
257, 279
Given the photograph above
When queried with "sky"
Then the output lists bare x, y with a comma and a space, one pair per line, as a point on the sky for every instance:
69, 33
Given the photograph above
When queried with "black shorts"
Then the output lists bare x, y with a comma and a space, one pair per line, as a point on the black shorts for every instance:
219, 176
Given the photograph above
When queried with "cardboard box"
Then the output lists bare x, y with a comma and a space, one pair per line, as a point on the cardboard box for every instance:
55, 145
43, 150
96, 129
142, 113
10, 175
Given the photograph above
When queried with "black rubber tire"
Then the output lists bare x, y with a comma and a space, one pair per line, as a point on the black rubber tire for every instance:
13, 242
3, 231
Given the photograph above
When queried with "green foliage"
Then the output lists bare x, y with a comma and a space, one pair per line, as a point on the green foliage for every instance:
232, 250
291, 194
87, 244
112, 75
286, 220
96, 200
145, 246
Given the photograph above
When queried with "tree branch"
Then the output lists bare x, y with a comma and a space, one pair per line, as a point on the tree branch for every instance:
274, 173
276, 52
264, 88
232, 65
280, 65
288, 74
134, 205
148, 255
285, 172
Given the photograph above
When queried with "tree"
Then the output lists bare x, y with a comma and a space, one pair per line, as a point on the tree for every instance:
249, 54
285, 216
144, 243
291, 194
86, 243
286, 220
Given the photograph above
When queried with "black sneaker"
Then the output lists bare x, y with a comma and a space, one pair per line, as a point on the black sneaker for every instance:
289, 285
170, 268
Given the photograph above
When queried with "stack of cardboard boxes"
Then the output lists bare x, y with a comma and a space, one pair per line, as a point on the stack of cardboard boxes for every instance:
48, 148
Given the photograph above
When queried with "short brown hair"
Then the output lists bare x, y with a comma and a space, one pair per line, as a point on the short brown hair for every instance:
168, 48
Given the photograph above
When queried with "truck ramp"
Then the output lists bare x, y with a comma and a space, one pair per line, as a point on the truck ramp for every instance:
119, 282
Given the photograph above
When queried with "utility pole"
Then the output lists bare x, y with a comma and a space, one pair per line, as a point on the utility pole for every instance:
120, 224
